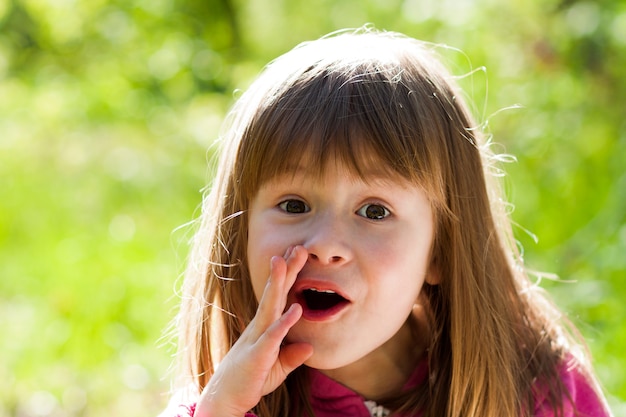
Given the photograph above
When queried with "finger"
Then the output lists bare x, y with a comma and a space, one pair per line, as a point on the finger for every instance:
270, 308
283, 273
293, 355
295, 262
286, 357
290, 357
273, 337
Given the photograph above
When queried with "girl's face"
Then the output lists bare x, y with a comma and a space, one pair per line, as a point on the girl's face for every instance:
369, 245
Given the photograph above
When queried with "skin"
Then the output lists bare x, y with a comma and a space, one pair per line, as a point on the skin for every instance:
370, 242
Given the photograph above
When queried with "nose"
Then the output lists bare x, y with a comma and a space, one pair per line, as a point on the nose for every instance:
327, 242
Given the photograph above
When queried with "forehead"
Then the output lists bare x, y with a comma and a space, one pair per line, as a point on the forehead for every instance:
372, 118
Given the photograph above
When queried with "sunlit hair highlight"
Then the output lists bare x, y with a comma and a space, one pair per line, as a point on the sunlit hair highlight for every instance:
379, 102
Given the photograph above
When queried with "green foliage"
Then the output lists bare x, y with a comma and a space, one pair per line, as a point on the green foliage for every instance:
108, 107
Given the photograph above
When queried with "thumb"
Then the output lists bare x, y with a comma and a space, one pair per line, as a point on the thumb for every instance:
293, 355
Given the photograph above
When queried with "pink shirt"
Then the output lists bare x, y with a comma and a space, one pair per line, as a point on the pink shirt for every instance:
331, 399
585, 402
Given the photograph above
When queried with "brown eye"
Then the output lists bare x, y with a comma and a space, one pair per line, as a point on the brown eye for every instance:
373, 211
294, 206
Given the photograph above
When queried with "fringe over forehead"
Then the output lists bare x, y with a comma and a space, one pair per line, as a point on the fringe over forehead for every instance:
375, 102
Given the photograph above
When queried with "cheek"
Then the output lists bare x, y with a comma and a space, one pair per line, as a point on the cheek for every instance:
398, 248
253, 257
258, 269
403, 258
258, 284
262, 245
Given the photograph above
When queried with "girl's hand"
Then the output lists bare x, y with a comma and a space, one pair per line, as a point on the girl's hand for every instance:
258, 362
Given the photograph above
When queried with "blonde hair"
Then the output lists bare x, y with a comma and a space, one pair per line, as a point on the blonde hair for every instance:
379, 98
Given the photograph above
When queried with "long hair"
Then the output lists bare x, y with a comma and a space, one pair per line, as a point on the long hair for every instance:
379, 98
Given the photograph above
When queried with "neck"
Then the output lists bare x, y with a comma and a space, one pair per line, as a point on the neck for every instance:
382, 373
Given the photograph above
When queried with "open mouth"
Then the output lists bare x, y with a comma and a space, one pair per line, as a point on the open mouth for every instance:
320, 300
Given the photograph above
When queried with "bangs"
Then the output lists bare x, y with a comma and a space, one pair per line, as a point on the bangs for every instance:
371, 118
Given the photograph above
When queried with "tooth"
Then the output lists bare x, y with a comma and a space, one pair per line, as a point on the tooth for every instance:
324, 291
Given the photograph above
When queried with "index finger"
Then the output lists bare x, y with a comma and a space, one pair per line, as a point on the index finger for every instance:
283, 274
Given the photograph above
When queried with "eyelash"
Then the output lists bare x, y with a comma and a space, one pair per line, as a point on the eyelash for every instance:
304, 208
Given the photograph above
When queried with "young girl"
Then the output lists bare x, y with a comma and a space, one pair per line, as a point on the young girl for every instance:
354, 260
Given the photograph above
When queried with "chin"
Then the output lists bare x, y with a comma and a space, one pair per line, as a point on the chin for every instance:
327, 362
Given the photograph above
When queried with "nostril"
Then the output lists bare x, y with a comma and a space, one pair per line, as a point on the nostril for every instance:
329, 260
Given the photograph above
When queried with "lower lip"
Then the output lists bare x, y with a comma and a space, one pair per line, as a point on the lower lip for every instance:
322, 315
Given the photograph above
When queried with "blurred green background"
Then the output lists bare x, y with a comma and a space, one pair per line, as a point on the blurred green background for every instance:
108, 107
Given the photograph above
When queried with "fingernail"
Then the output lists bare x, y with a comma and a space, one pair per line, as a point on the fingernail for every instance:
288, 252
